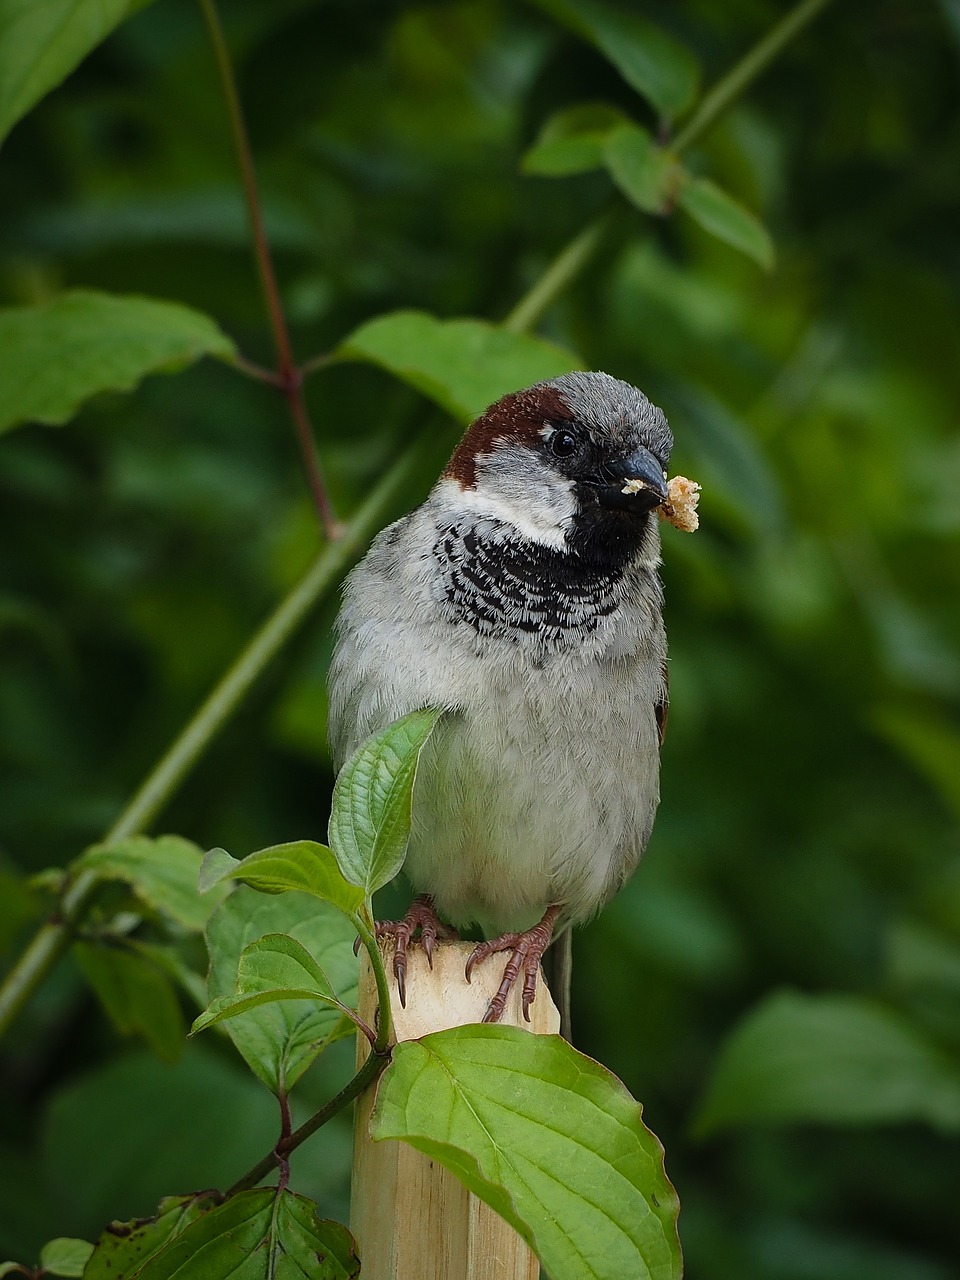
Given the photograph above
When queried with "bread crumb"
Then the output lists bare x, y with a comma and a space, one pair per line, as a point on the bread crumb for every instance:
680, 507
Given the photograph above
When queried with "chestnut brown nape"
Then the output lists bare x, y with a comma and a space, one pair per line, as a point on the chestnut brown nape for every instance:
519, 416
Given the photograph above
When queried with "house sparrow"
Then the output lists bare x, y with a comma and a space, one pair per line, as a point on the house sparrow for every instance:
523, 598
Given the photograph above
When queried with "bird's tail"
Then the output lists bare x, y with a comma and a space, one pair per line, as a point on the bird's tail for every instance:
558, 969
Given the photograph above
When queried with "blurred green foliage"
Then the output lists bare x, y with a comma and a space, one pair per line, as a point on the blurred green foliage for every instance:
807, 837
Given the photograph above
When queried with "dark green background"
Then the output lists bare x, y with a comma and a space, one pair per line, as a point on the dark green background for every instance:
807, 837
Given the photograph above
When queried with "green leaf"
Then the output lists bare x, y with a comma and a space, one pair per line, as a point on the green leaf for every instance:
664, 71
463, 365
256, 1235
163, 873
832, 1059
646, 174
55, 356
137, 996
217, 865
279, 1040
572, 140
275, 967
373, 801
65, 1257
548, 1137
41, 41
121, 1253
721, 215
302, 865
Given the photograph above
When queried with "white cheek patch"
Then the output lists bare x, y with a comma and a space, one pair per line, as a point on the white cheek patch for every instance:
513, 486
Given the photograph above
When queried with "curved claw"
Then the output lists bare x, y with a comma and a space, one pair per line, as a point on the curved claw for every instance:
421, 917
526, 953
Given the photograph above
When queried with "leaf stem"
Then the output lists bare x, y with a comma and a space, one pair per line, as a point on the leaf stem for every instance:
373, 1065
55, 935
564, 269
577, 254
289, 377
747, 69
384, 1016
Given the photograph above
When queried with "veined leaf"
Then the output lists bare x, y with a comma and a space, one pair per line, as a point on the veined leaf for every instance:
124, 1252
281, 1038
55, 356
725, 218
162, 872
463, 365
257, 1235
303, 865
373, 801
41, 41
275, 967
547, 1137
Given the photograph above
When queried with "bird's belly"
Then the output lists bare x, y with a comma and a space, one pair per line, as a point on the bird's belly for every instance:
509, 818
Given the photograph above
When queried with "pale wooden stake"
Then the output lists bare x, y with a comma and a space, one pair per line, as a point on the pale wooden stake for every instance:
413, 1219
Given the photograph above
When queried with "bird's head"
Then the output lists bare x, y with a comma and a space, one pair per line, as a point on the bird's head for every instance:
571, 460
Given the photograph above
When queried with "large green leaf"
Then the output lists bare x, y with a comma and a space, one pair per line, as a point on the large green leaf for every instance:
162, 873
373, 801
548, 1137
650, 61
136, 994
302, 865
55, 356
464, 365
725, 218
646, 174
572, 140
830, 1059
280, 1039
256, 1235
41, 41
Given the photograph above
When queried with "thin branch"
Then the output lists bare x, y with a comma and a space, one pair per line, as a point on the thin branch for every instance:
757, 59
289, 378
564, 269
367, 1074
577, 254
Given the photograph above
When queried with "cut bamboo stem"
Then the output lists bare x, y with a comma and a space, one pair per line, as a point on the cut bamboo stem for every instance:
411, 1217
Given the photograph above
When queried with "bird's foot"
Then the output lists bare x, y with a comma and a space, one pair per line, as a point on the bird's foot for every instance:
527, 950
421, 917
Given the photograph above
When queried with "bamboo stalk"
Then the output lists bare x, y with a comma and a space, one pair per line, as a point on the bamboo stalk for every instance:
411, 1217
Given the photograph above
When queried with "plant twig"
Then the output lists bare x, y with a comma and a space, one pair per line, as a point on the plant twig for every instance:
746, 70
289, 376
564, 269
577, 254
372, 1067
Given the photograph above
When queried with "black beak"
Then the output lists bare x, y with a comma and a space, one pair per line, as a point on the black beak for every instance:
635, 483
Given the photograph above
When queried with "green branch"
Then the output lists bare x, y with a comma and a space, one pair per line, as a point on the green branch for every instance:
746, 71
579, 252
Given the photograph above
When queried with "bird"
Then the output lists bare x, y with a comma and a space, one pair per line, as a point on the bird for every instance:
523, 599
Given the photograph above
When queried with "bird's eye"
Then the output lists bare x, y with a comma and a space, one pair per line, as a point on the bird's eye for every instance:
563, 443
